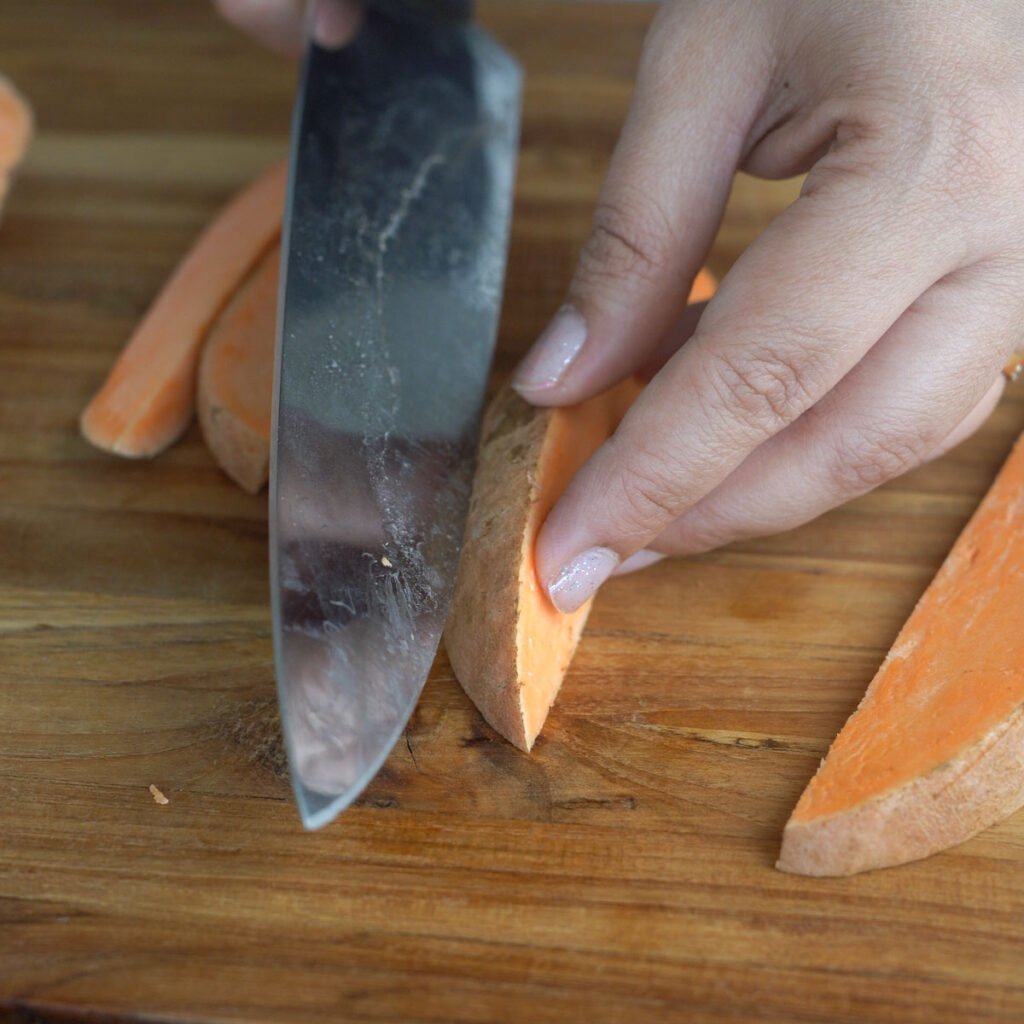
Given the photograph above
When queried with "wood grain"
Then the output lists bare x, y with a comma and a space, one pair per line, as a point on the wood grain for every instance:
623, 871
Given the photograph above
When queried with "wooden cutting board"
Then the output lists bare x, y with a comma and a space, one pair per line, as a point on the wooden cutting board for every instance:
623, 871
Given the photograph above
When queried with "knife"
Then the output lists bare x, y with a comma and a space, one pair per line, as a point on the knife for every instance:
395, 240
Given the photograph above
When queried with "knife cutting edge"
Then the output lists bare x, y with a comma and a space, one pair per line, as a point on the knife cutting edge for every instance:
395, 241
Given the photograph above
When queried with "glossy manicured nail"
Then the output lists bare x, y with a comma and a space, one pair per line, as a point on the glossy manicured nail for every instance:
641, 560
578, 581
553, 352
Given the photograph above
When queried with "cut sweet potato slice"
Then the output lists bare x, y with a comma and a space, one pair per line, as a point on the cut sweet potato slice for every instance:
935, 752
148, 399
509, 646
236, 378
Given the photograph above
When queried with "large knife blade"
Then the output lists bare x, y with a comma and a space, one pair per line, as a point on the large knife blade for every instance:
396, 232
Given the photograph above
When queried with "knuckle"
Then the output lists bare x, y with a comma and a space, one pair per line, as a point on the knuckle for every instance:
983, 131
627, 240
764, 392
962, 153
944, 153
862, 462
649, 495
958, 149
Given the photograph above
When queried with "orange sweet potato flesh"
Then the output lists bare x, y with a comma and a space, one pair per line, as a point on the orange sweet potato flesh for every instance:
148, 399
704, 286
236, 378
935, 752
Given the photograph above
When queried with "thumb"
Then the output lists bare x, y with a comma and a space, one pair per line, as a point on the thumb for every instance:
704, 71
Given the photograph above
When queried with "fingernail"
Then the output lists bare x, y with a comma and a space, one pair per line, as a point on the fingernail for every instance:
553, 352
578, 581
334, 24
641, 560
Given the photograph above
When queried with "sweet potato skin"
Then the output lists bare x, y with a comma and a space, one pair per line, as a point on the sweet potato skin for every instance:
977, 788
235, 388
481, 634
242, 453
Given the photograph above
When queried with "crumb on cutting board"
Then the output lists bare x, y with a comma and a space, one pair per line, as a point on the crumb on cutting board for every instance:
157, 794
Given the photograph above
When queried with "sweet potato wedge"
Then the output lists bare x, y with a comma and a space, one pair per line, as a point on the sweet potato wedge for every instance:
935, 751
508, 645
149, 397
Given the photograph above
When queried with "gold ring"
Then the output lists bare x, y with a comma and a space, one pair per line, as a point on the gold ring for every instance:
1014, 369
